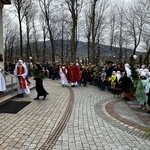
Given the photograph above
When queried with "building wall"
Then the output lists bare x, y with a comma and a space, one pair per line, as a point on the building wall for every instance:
1, 36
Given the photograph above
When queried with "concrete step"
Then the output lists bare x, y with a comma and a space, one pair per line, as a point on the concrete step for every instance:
11, 90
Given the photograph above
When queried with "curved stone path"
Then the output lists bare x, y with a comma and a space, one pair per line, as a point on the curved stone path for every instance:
91, 127
123, 118
80, 118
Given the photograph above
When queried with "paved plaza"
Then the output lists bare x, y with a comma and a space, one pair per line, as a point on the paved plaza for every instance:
78, 118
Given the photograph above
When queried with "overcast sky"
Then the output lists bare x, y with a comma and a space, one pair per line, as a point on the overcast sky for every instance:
126, 2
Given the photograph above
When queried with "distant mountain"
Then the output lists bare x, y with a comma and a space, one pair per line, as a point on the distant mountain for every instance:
105, 49
82, 50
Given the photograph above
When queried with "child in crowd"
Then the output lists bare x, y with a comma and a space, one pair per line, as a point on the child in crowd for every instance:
112, 80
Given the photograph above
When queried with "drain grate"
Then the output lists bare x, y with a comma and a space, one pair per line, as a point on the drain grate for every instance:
13, 107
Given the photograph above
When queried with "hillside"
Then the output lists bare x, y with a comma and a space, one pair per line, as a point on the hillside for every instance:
82, 51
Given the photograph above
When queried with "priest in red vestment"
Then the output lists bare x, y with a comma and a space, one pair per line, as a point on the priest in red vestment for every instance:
21, 72
73, 74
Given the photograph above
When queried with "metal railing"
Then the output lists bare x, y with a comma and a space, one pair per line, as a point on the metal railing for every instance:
10, 81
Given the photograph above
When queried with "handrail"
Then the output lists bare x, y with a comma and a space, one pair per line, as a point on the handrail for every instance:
9, 74
11, 80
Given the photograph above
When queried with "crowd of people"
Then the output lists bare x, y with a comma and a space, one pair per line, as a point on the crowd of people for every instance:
134, 81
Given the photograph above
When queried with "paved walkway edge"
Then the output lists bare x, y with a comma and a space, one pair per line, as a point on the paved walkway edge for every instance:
106, 112
52, 139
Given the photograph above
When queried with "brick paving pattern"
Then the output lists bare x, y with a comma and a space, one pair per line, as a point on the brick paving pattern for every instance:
92, 127
30, 128
80, 118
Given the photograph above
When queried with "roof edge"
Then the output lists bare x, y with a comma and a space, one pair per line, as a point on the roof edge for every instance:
6, 1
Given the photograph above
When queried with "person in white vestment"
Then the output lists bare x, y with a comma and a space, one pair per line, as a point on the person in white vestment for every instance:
2, 79
21, 72
63, 75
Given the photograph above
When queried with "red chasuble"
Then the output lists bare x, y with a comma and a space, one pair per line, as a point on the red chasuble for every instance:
22, 81
73, 73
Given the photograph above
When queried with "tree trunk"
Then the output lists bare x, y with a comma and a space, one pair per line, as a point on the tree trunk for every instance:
146, 60
21, 45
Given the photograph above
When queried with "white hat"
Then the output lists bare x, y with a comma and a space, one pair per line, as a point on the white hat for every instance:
119, 72
143, 66
127, 65
20, 61
143, 74
113, 72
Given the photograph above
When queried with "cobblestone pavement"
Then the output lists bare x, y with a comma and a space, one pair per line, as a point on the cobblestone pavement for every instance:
79, 118
101, 122
30, 128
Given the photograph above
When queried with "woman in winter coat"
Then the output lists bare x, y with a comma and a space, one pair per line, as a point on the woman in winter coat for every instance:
140, 91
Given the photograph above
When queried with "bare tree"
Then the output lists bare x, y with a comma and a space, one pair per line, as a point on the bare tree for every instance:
87, 33
146, 40
10, 45
135, 15
21, 7
11, 37
35, 39
45, 6
121, 25
74, 7
127, 42
28, 48
63, 29
112, 25
146, 32
44, 31
29, 16
97, 16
